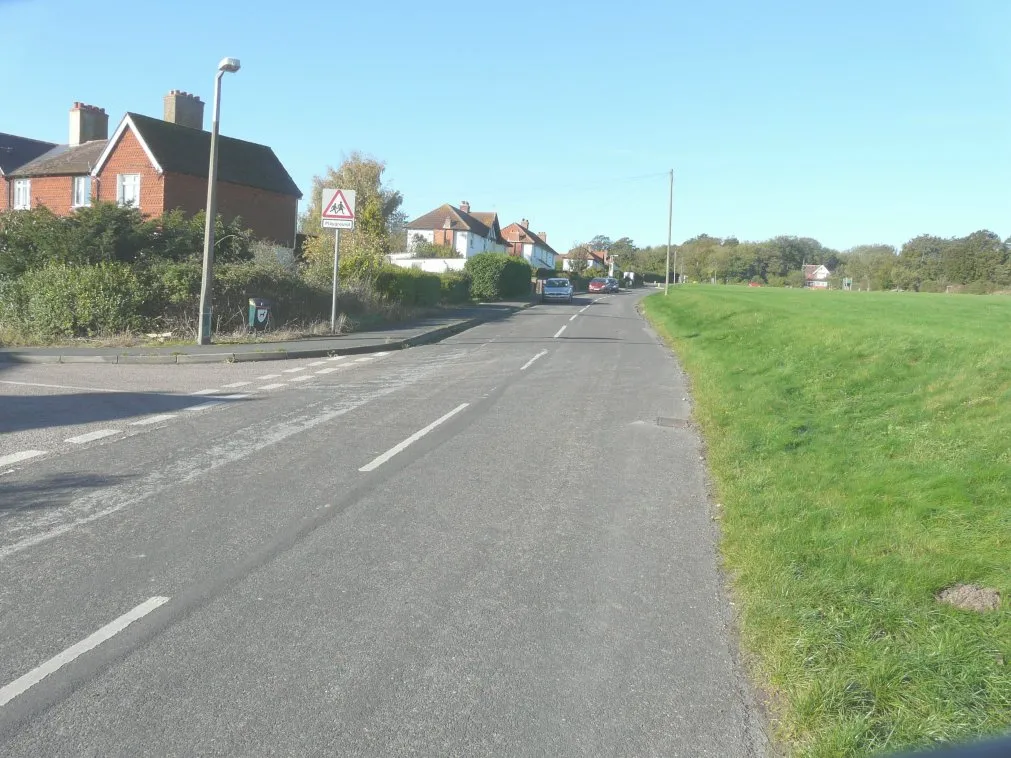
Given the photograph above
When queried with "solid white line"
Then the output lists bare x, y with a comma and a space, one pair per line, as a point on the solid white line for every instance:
530, 363
24, 683
59, 386
301, 378
272, 386
153, 419
328, 370
204, 392
410, 440
233, 385
559, 332
234, 397
24, 455
293, 370
205, 406
573, 317
92, 436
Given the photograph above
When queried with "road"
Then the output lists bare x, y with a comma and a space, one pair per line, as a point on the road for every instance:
487, 546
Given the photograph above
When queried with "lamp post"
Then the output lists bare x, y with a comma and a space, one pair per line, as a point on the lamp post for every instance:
227, 65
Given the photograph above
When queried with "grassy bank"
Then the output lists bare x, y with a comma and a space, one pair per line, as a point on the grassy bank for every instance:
860, 450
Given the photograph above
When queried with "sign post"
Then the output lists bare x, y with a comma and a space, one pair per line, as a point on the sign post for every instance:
338, 213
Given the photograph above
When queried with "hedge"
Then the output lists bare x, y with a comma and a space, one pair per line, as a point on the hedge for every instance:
408, 286
455, 287
496, 276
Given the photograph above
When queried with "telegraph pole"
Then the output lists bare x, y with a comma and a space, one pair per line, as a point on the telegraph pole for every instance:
670, 217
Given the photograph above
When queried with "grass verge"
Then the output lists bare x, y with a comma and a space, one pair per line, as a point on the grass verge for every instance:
858, 443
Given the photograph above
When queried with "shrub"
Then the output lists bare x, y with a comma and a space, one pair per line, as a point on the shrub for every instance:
408, 286
70, 301
495, 276
455, 287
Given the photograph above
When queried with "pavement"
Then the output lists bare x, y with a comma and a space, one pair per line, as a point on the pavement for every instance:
497, 544
390, 337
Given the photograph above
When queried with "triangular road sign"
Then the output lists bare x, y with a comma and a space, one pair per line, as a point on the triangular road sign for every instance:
338, 208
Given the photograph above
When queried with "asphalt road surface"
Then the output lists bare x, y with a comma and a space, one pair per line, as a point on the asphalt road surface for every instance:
497, 545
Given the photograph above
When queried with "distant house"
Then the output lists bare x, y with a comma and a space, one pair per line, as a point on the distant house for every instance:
14, 153
526, 244
816, 276
595, 261
466, 232
159, 165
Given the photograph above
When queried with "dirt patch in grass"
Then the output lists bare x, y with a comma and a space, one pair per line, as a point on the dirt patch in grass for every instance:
970, 597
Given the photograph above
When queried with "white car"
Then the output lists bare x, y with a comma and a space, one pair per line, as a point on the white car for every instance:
557, 289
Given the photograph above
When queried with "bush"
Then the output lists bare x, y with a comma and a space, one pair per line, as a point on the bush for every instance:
495, 276
72, 301
408, 286
455, 287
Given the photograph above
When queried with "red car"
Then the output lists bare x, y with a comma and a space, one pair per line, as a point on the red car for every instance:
597, 285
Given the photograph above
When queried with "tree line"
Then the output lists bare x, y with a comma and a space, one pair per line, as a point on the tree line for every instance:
979, 262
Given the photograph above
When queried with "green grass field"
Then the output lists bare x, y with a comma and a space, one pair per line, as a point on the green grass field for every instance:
861, 448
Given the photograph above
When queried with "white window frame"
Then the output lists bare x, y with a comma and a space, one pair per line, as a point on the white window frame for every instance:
22, 198
77, 198
121, 184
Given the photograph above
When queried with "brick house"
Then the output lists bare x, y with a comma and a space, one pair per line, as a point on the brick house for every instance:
14, 153
159, 165
467, 233
526, 244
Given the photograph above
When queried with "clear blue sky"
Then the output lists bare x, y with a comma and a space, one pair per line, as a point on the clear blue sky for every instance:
868, 121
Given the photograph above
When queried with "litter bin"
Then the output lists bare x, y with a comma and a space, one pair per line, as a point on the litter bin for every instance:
259, 314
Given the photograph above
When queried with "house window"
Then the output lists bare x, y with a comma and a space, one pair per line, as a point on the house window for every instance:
82, 191
22, 194
128, 189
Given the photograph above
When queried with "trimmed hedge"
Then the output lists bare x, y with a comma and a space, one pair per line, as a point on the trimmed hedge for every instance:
455, 287
496, 276
408, 286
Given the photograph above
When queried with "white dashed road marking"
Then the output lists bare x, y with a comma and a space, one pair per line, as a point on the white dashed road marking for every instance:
318, 363
269, 376
328, 370
293, 370
233, 385
530, 363
559, 332
153, 419
301, 378
107, 632
379, 461
234, 397
204, 392
58, 386
24, 455
272, 386
92, 436
205, 406
573, 317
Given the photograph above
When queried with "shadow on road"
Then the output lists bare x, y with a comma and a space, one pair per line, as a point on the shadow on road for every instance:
19, 413
51, 491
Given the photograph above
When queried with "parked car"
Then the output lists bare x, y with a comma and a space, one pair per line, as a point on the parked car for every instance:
597, 285
557, 289
612, 284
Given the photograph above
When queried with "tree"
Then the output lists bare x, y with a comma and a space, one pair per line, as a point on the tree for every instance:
377, 216
579, 259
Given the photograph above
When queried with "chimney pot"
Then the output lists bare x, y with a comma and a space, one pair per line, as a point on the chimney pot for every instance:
87, 123
543, 235
524, 223
184, 109
465, 206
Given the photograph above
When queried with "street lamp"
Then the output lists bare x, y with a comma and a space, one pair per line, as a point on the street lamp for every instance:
227, 65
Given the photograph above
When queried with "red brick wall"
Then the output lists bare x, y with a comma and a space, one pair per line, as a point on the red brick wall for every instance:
54, 192
269, 215
129, 157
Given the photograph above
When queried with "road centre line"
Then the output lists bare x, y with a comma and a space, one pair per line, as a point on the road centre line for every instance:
204, 406
328, 370
153, 419
529, 363
573, 317
583, 308
91, 436
233, 385
559, 332
27, 681
23, 455
241, 396
317, 363
273, 386
302, 378
380, 460
204, 392
268, 376
293, 370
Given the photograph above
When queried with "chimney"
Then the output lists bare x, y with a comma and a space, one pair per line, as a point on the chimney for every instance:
543, 235
524, 223
465, 206
184, 109
87, 123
